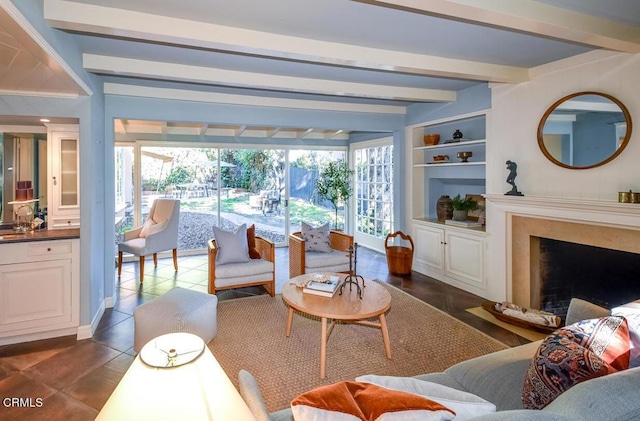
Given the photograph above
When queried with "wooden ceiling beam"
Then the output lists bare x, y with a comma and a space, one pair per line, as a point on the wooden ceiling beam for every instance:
146, 27
530, 17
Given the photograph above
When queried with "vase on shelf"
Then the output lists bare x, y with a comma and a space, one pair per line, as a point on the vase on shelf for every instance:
457, 135
444, 208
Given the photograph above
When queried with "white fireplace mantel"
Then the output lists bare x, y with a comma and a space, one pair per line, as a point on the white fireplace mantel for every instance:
501, 209
609, 213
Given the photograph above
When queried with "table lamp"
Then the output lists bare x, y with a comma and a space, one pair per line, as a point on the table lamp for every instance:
175, 377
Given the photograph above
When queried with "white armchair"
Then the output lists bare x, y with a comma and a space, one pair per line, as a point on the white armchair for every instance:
158, 233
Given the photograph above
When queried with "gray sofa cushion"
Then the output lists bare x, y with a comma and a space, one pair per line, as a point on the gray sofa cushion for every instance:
525, 415
613, 397
250, 392
583, 310
497, 377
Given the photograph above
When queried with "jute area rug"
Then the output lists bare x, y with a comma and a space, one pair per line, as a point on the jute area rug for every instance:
251, 336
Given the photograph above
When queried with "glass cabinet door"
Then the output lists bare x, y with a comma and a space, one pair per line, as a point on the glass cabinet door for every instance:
63, 201
68, 171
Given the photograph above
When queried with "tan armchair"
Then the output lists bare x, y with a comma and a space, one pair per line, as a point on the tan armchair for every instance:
237, 275
301, 261
158, 233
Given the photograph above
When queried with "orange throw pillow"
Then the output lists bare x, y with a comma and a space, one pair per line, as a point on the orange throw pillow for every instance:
251, 240
365, 401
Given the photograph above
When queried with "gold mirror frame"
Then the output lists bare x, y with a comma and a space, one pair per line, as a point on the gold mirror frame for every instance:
552, 108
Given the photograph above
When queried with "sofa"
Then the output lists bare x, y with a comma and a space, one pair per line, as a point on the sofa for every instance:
499, 377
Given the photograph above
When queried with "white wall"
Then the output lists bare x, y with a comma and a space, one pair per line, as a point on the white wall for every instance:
515, 113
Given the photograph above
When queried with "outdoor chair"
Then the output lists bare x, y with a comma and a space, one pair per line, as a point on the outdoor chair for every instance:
301, 261
271, 203
260, 271
158, 233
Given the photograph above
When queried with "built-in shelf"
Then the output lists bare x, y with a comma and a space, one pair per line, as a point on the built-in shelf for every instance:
450, 164
451, 145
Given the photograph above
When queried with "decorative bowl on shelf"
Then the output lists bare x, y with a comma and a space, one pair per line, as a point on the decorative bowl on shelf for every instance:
431, 139
440, 158
465, 155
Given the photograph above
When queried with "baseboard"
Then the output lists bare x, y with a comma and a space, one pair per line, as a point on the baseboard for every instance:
110, 302
425, 269
87, 331
29, 337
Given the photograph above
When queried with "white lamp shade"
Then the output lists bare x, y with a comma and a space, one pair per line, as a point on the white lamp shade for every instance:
199, 390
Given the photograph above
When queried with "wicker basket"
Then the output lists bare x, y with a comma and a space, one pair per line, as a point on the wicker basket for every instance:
431, 139
399, 258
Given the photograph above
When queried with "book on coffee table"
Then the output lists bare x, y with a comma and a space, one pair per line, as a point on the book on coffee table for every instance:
324, 289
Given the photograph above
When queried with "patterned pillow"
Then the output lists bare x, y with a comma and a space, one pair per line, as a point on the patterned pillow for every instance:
346, 401
573, 354
316, 239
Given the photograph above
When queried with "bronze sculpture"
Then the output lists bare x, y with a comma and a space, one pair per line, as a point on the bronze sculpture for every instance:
511, 179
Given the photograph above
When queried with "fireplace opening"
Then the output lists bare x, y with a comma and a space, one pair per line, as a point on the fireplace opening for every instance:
599, 275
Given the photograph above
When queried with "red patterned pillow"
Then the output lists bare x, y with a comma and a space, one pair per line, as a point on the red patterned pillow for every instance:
573, 354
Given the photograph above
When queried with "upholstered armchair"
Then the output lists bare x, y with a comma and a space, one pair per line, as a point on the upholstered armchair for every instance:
158, 233
337, 260
257, 271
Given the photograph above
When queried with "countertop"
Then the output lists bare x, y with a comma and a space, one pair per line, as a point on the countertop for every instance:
10, 236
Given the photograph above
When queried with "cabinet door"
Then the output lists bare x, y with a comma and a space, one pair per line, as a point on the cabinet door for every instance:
465, 257
36, 296
69, 171
64, 181
429, 246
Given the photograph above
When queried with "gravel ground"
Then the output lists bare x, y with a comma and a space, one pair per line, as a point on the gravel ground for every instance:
196, 228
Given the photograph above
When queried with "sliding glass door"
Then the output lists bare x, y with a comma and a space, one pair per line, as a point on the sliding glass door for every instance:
254, 192
271, 188
305, 166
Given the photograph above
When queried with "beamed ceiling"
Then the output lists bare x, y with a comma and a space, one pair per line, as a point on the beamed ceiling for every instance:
363, 56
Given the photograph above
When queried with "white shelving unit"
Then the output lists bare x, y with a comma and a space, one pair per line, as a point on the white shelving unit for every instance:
455, 255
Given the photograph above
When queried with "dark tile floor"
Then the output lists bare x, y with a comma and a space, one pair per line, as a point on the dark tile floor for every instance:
75, 378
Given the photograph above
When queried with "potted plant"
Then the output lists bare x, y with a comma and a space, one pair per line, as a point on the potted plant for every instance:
334, 184
461, 207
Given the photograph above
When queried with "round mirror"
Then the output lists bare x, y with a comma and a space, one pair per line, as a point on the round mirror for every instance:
584, 130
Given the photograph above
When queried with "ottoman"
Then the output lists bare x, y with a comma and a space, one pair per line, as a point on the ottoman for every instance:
179, 310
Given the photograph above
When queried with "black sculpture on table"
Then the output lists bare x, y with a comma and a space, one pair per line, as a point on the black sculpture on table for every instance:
511, 179
353, 278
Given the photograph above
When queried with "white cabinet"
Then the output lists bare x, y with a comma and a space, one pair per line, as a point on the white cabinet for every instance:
39, 290
450, 254
64, 181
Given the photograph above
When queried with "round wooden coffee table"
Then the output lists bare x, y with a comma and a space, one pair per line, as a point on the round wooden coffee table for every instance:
347, 307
